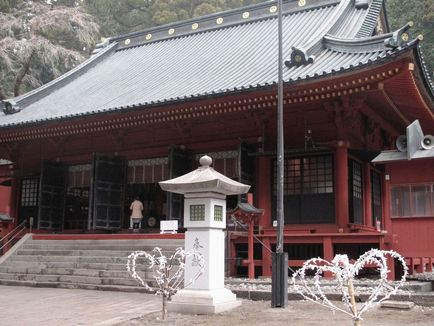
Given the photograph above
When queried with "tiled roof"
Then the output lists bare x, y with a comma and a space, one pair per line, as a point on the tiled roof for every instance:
216, 54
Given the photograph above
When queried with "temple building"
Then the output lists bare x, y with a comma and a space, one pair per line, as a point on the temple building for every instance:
147, 105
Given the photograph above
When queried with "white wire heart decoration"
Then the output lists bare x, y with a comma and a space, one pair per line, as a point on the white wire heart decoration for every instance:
167, 272
344, 273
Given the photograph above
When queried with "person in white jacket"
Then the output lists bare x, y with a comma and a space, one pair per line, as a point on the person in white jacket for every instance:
136, 213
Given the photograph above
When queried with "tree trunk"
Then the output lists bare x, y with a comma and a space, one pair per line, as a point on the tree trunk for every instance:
22, 74
164, 310
353, 301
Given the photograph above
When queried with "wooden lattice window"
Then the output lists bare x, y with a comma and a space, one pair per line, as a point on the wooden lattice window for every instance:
79, 176
29, 192
308, 189
148, 171
308, 175
376, 193
356, 192
416, 200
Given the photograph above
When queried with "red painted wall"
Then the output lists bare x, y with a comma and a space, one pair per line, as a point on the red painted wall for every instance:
412, 236
411, 172
5, 194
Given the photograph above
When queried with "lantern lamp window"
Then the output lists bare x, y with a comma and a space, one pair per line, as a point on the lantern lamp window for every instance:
197, 212
218, 213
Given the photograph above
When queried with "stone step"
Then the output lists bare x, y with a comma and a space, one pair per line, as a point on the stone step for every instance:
418, 286
119, 247
91, 243
71, 279
83, 286
75, 259
87, 264
74, 271
90, 252
67, 264
393, 304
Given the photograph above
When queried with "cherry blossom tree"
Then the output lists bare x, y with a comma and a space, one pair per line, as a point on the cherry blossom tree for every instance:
40, 40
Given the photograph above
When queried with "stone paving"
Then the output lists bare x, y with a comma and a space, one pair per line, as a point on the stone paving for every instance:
32, 306
23, 306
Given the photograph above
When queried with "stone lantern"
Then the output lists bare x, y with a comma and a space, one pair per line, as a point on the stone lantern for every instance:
205, 192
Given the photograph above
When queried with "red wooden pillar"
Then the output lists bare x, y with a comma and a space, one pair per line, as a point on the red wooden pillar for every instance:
391, 267
328, 253
390, 260
420, 268
250, 251
14, 197
387, 225
430, 262
367, 197
387, 222
266, 258
341, 194
232, 261
263, 189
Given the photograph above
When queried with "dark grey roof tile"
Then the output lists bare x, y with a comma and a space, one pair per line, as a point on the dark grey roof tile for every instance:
231, 58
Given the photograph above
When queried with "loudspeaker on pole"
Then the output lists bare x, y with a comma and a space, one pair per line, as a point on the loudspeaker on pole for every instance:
427, 142
401, 143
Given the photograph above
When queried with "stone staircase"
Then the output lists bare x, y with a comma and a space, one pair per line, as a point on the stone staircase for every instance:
79, 264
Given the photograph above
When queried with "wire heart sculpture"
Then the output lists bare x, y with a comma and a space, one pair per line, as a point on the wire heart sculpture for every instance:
345, 272
167, 272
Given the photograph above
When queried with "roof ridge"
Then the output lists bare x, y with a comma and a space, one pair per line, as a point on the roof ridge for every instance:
305, 54
370, 21
219, 20
391, 41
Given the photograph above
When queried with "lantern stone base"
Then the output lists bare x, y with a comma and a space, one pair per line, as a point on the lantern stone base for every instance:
203, 302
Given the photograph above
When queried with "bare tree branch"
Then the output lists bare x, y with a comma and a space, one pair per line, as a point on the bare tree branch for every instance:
20, 76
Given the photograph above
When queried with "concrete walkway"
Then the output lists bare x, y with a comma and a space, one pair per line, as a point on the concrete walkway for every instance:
50, 306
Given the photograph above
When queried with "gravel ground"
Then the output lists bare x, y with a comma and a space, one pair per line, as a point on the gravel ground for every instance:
361, 286
297, 313
428, 276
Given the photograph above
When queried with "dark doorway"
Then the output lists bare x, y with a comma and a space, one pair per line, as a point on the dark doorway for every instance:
77, 197
180, 163
107, 193
152, 197
52, 195
29, 200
